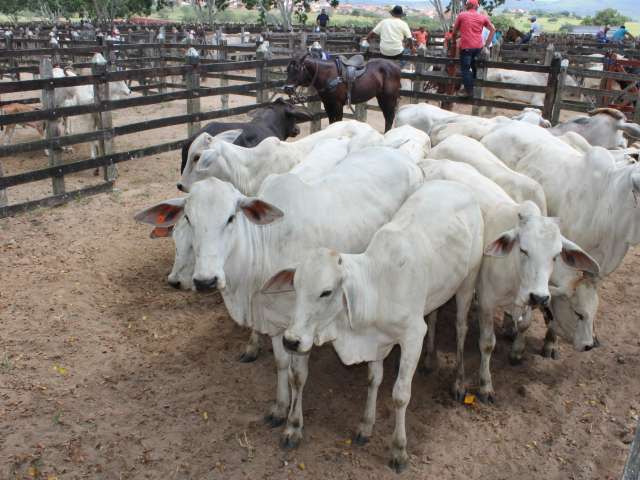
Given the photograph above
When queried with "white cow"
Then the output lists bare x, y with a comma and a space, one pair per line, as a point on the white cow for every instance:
238, 245
421, 116
413, 142
604, 127
246, 168
466, 150
522, 77
518, 279
322, 159
595, 201
365, 304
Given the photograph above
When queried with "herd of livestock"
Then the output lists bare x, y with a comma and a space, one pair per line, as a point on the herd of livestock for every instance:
351, 237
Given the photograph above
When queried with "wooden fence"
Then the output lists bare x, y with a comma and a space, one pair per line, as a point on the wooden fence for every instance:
154, 69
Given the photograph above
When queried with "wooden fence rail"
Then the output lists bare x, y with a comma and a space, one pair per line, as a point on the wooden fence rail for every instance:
194, 70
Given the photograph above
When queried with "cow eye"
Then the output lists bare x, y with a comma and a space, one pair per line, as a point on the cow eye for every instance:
196, 158
326, 293
231, 219
579, 315
524, 252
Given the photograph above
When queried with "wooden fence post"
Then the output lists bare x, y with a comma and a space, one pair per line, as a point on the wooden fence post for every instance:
531, 53
478, 92
192, 82
555, 117
262, 72
552, 87
162, 40
103, 120
420, 69
224, 82
548, 54
48, 103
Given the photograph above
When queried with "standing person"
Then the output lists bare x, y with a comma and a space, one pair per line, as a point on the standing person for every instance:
469, 26
620, 34
601, 36
421, 37
322, 20
394, 34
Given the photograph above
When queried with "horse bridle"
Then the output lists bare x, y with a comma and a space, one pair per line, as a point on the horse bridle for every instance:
295, 97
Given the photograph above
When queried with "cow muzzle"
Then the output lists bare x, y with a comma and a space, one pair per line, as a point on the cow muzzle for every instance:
204, 285
538, 300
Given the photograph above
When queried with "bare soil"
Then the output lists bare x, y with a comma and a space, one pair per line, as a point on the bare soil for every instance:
106, 372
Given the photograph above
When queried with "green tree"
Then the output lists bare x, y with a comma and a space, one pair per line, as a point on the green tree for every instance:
286, 9
12, 9
566, 28
502, 22
608, 16
448, 14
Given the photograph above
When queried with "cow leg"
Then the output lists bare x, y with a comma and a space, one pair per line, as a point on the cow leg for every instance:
431, 355
463, 304
550, 349
278, 413
252, 349
298, 372
487, 343
369, 419
9, 131
409, 358
522, 325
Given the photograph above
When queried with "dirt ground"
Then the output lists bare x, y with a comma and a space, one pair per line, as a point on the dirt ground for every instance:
106, 372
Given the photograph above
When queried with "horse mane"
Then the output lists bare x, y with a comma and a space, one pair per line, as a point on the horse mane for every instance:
616, 114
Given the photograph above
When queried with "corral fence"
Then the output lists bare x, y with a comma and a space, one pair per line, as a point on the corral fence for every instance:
164, 73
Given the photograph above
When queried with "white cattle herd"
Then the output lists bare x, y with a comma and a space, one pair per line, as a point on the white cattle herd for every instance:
353, 238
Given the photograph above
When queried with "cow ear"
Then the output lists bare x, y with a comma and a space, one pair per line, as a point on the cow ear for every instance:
281, 282
161, 232
300, 114
229, 136
502, 246
259, 212
577, 258
163, 214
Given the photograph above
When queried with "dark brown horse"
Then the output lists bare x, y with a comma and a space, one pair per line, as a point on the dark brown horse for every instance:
381, 80
513, 35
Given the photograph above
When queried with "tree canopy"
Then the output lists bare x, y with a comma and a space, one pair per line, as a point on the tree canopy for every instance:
608, 16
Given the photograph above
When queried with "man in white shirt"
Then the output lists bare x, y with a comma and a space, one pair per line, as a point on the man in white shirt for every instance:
394, 33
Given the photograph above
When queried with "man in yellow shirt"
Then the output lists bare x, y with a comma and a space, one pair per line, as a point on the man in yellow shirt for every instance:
394, 33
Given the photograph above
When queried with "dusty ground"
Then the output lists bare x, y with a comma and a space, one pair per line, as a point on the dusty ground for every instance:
106, 372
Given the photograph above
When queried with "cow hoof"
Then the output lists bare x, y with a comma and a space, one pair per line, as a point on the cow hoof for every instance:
550, 352
274, 421
398, 465
515, 361
290, 440
247, 357
487, 397
360, 439
458, 393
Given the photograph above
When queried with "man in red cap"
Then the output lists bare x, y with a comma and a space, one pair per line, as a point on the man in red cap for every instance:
469, 26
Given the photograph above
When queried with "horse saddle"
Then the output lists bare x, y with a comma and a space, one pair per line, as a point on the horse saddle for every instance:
349, 70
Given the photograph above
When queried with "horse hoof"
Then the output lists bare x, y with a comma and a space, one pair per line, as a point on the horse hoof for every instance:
274, 421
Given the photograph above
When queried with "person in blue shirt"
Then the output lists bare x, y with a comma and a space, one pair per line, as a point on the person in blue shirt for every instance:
620, 34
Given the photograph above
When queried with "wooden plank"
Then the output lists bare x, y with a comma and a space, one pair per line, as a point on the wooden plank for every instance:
55, 200
103, 119
597, 74
192, 81
48, 103
552, 88
128, 103
474, 101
